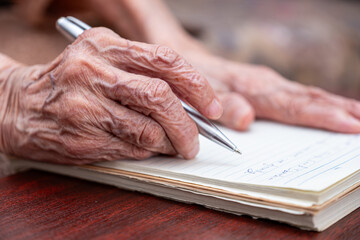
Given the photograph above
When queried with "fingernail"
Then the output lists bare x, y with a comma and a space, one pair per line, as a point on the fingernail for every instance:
214, 110
243, 119
194, 151
353, 124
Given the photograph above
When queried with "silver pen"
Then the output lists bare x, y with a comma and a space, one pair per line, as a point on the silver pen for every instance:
72, 27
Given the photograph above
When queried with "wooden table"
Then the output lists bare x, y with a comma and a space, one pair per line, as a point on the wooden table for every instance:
39, 205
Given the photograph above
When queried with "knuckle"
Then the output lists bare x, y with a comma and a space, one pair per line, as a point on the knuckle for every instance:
76, 67
96, 40
161, 89
97, 32
315, 91
151, 134
77, 61
263, 68
139, 153
295, 108
166, 55
352, 104
158, 92
197, 82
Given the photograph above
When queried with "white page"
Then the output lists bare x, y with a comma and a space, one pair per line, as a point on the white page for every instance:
273, 155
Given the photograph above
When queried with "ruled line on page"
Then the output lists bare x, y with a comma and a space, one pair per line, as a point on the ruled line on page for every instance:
273, 154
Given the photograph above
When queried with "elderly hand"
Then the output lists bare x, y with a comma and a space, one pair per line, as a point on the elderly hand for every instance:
103, 98
248, 90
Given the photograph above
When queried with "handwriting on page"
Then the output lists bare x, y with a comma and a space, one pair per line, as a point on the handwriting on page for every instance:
300, 158
327, 155
273, 154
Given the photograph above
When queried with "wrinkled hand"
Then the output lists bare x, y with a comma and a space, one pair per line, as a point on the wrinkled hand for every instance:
104, 98
247, 91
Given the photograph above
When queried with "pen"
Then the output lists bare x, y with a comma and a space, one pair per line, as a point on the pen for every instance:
72, 27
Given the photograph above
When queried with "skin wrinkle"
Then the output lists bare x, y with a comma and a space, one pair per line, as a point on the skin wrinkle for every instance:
91, 46
158, 95
10, 100
118, 126
80, 67
155, 94
132, 99
256, 88
80, 108
53, 96
150, 94
167, 56
52, 80
154, 98
296, 107
44, 139
174, 68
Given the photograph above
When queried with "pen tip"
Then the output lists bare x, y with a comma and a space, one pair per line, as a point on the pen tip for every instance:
237, 151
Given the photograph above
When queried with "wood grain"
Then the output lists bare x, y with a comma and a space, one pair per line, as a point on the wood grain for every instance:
39, 205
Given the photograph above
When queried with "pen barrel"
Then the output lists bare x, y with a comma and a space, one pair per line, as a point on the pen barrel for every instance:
203, 124
208, 129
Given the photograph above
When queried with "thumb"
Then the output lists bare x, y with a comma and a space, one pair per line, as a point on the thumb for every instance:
238, 113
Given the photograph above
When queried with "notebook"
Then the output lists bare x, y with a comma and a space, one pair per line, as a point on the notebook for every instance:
301, 176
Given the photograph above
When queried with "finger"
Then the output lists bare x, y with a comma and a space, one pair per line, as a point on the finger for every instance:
351, 105
94, 112
80, 150
157, 62
116, 149
128, 125
238, 113
135, 128
311, 112
329, 118
153, 97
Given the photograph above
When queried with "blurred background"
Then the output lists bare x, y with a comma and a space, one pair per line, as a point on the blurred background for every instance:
313, 42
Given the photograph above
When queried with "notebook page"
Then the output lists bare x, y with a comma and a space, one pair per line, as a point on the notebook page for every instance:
273, 155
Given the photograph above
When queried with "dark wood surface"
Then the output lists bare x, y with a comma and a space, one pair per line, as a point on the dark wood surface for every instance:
39, 205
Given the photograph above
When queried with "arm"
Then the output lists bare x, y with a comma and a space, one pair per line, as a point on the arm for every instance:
7, 67
245, 90
146, 21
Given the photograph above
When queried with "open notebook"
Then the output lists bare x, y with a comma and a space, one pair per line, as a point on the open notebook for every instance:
304, 177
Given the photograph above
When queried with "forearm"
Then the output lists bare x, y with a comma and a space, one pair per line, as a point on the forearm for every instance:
154, 20
7, 96
147, 21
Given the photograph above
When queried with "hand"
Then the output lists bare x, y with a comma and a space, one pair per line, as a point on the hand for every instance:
247, 91
104, 98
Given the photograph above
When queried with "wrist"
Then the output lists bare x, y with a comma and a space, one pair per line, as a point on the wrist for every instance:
9, 96
16, 103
